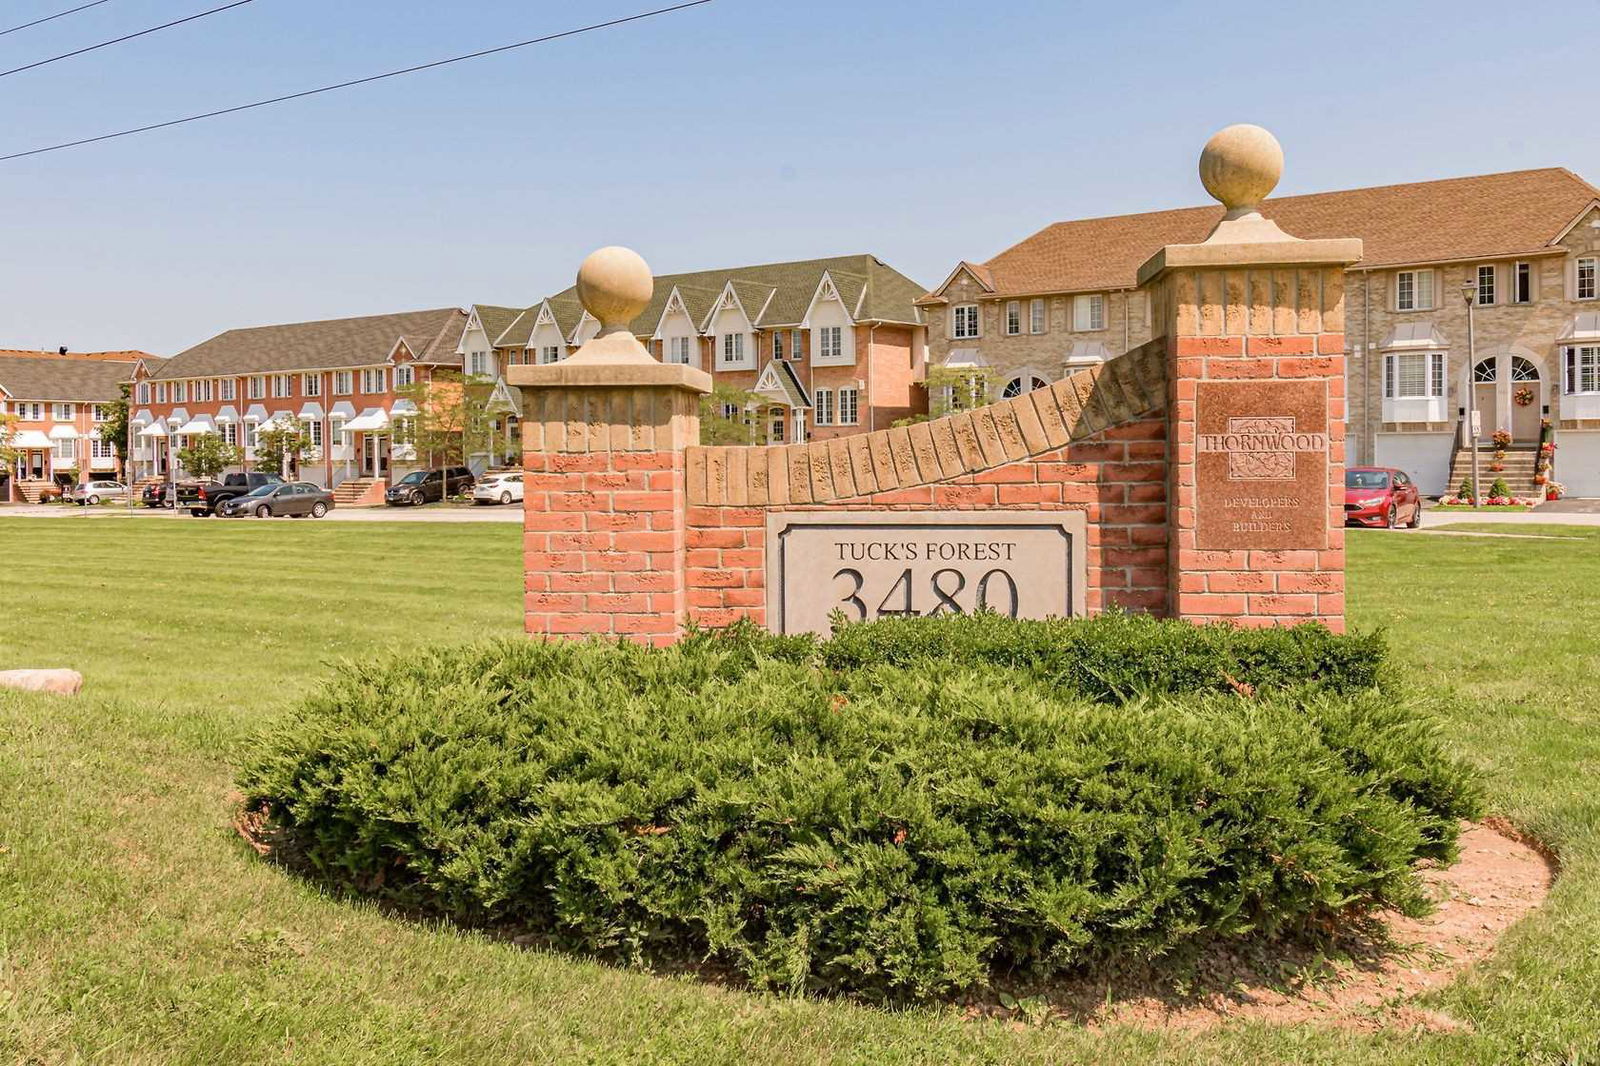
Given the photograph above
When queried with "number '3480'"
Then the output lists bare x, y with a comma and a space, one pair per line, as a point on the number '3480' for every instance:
946, 592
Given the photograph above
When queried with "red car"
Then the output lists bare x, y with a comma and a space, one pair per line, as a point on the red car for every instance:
1380, 496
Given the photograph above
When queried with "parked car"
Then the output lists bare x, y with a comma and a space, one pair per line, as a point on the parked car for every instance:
157, 494
428, 486
297, 499
1380, 496
206, 497
92, 492
498, 488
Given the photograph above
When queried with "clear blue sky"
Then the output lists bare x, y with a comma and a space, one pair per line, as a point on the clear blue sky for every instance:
741, 131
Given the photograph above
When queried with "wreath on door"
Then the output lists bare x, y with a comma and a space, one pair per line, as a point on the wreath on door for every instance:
1523, 396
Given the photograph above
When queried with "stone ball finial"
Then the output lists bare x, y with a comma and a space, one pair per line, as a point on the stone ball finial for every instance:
614, 285
1240, 166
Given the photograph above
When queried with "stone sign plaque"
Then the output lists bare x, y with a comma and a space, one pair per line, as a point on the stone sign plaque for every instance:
1261, 465
878, 564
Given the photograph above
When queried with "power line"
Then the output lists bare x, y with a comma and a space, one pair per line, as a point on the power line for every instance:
354, 82
51, 18
119, 40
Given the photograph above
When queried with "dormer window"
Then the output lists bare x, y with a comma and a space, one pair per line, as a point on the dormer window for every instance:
679, 350
732, 349
830, 343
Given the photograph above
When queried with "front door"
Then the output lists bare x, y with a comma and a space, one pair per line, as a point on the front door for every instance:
1485, 390
1525, 407
369, 455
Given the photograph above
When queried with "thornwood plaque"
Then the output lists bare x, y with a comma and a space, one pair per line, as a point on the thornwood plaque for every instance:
876, 564
1261, 464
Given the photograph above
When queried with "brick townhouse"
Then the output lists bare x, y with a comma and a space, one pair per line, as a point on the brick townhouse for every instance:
337, 379
831, 347
1526, 244
57, 403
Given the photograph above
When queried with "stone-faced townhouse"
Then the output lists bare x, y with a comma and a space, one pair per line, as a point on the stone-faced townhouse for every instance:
1526, 244
831, 347
56, 404
339, 380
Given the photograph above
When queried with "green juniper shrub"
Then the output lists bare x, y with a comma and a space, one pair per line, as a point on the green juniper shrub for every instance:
1116, 655
894, 829
1500, 488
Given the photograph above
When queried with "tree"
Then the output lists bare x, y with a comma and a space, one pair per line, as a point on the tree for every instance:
8, 450
115, 428
281, 447
952, 389
452, 421
727, 416
208, 455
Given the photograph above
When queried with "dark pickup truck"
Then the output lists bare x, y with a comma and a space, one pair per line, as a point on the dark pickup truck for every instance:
202, 497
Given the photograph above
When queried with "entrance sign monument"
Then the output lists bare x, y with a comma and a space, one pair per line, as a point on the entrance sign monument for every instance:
1199, 476
880, 564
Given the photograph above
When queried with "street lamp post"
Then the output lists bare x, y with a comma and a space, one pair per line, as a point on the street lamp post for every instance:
1469, 296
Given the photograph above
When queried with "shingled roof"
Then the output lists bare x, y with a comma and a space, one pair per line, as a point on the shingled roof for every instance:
67, 380
496, 320
432, 336
1487, 216
131, 355
775, 295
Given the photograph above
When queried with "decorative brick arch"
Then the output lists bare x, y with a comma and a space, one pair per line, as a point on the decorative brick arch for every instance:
1094, 442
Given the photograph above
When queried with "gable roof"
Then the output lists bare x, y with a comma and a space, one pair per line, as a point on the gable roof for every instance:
432, 336
54, 378
495, 320
776, 295
1485, 216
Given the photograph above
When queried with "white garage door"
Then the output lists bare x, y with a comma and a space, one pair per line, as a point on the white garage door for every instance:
1425, 456
1578, 462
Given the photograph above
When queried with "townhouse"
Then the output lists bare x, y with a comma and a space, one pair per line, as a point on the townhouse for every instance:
338, 380
1523, 248
56, 405
826, 347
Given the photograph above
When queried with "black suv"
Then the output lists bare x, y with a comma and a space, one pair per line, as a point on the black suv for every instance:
428, 486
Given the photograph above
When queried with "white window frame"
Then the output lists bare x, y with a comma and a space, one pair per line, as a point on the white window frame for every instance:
251, 425
344, 383
282, 386
965, 322
1013, 318
370, 377
311, 384
1038, 316
1522, 272
1580, 362
405, 375
1089, 313
99, 412
205, 390
180, 392
229, 432
63, 412
550, 353
1423, 290
822, 412
1486, 278
850, 407
143, 392
256, 387
680, 350
161, 392
313, 431
732, 349
1586, 278
1433, 375
228, 388
777, 344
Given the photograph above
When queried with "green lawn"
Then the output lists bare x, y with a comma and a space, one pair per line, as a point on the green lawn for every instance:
136, 928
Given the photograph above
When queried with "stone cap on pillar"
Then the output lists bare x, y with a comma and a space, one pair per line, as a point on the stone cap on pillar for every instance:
614, 285
1240, 166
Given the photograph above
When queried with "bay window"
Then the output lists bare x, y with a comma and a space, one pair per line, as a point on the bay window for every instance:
1414, 387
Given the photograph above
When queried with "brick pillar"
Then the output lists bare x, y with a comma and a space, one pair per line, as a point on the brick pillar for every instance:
603, 439
1254, 323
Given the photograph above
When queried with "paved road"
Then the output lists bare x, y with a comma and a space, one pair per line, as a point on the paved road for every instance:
112, 512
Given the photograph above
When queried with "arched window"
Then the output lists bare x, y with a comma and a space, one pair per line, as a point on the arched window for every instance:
1023, 385
1485, 371
1523, 369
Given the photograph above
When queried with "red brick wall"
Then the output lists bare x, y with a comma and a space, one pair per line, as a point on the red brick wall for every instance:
1116, 477
603, 544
